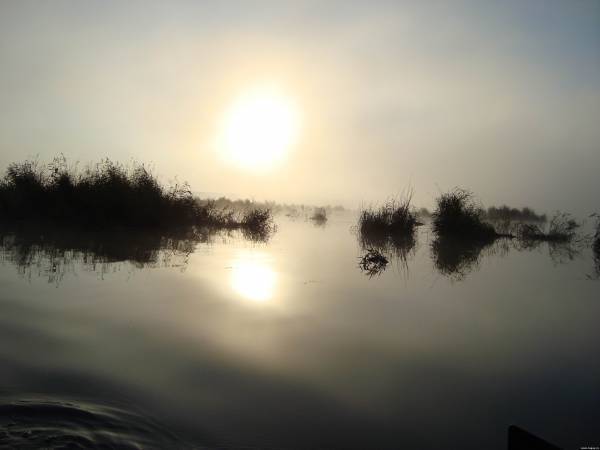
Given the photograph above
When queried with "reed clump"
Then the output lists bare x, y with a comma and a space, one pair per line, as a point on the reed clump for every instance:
388, 231
257, 224
319, 215
561, 229
458, 216
394, 218
109, 195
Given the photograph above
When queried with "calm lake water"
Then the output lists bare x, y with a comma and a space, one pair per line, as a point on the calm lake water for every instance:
288, 345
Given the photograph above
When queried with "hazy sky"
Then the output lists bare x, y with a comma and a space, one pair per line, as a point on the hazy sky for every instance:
501, 97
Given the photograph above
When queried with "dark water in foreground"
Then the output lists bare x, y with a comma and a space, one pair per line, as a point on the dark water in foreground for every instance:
218, 342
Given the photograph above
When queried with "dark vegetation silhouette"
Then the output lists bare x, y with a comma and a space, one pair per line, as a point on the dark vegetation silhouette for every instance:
389, 231
456, 258
373, 262
287, 209
458, 216
110, 195
397, 248
562, 228
256, 224
505, 213
52, 252
499, 214
596, 242
596, 245
464, 231
394, 218
100, 246
461, 234
560, 235
319, 216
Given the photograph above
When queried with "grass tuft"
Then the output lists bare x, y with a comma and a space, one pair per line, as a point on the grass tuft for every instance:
388, 231
395, 218
457, 216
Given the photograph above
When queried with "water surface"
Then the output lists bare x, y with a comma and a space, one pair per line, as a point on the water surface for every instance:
220, 342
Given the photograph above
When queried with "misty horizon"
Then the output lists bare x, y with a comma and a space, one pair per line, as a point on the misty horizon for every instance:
432, 96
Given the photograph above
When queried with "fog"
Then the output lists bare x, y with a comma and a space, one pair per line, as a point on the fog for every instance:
502, 98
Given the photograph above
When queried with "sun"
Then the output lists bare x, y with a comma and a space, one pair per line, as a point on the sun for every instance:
259, 129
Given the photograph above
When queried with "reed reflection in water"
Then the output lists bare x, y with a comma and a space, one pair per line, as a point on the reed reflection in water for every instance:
295, 327
456, 258
53, 253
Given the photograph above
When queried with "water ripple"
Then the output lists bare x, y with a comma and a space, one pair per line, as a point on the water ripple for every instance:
62, 425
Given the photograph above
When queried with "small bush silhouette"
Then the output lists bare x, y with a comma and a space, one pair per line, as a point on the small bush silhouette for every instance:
395, 217
388, 231
257, 224
319, 216
458, 216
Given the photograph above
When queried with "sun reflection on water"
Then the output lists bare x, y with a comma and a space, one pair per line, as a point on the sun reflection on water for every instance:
253, 277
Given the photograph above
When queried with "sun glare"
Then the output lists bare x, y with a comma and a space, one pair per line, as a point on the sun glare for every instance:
253, 277
259, 129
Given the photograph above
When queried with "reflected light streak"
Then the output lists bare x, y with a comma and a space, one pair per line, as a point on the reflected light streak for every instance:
253, 278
